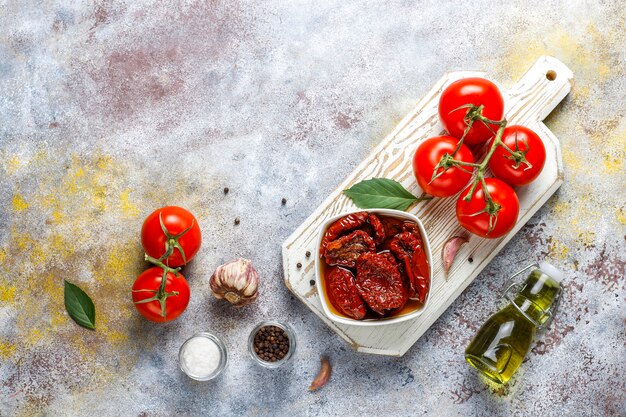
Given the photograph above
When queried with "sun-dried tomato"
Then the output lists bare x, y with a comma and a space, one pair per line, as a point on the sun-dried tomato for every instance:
379, 230
379, 282
341, 226
392, 227
413, 229
408, 248
343, 293
347, 249
421, 273
406, 280
403, 245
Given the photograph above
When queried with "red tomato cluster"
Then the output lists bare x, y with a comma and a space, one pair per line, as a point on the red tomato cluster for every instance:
171, 238
472, 110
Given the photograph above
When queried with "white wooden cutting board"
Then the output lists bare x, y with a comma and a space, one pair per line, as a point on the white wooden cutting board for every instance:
530, 100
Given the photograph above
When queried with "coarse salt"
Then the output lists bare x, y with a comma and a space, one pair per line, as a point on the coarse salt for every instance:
200, 356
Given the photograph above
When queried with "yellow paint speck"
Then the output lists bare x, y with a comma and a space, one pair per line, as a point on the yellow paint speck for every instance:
6, 349
621, 215
40, 157
557, 250
13, 165
34, 336
115, 337
21, 241
60, 246
587, 238
104, 162
38, 255
612, 164
128, 208
572, 161
561, 207
7, 293
19, 204
57, 215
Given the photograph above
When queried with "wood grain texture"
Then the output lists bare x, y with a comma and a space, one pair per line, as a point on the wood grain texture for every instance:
528, 102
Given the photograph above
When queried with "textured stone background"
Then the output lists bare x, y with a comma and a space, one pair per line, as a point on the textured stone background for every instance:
110, 109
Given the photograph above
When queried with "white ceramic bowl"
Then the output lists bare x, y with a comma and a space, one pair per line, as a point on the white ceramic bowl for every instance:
370, 322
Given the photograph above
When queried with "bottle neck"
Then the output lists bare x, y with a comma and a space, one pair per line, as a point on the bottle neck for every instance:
537, 297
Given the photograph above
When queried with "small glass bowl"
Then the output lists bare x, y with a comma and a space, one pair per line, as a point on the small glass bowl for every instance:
292, 344
223, 357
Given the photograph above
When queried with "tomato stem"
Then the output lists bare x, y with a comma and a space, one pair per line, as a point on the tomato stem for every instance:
491, 208
160, 294
172, 241
157, 262
473, 114
518, 156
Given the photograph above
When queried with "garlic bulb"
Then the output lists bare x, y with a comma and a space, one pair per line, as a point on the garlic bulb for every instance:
236, 281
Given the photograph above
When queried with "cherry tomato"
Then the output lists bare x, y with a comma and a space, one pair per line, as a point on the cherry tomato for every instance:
511, 168
476, 91
179, 233
426, 158
479, 224
176, 295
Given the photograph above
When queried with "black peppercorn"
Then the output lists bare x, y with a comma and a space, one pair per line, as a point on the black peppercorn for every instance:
274, 351
284, 201
226, 190
307, 254
299, 265
237, 221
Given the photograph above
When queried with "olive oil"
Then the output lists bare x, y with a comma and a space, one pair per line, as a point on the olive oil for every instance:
502, 342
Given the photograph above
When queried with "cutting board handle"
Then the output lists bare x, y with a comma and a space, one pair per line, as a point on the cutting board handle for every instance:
556, 82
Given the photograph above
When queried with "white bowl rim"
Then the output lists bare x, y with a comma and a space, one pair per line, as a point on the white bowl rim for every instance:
375, 322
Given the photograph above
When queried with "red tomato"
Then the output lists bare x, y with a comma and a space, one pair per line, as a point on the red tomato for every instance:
181, 234
511, 168
476, 91
507, 207
426, 158
176, 295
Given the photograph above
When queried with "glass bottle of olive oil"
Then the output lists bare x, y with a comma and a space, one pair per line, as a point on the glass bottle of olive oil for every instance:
500, 345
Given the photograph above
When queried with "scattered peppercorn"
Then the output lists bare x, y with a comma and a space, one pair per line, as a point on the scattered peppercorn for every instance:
470, 260
237, 221
284, 201
271, 343
312, 282
226, 190
299, 265
308, 254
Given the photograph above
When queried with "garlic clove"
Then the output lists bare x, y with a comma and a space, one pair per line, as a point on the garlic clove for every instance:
236, 281
323, 376
450, 249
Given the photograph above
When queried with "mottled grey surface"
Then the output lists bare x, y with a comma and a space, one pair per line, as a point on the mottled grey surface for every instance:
110, 109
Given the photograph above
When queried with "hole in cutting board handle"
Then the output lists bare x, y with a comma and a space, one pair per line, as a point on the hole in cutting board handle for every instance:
551, 75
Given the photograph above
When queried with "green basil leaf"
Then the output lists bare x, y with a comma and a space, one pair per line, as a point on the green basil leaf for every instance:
79, 306
381, 193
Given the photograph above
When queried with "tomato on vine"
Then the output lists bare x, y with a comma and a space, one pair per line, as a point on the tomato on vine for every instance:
158, 302
439, 179
462, 100
492, 215
522, 157
172, 235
